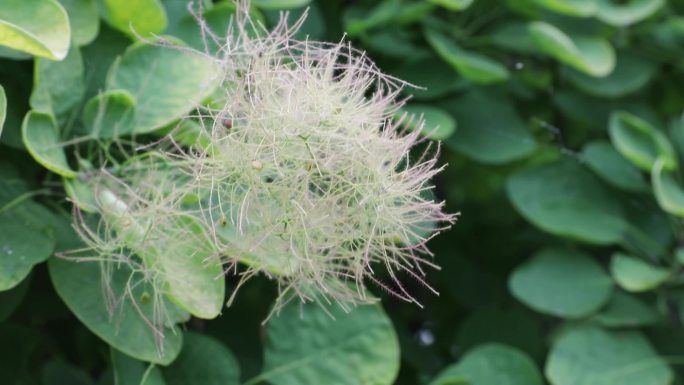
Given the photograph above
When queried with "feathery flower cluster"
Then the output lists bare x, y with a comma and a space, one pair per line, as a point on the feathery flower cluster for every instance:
304, 175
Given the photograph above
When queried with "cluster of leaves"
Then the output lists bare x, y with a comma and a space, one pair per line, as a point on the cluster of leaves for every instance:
561, 126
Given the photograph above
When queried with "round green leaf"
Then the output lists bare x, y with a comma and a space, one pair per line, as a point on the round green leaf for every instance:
624, 310
589, 54
668, 192
580, 8
622, 14
305, 345
437, 123
630, 74
634, 274
281, 4
492, 364
203, 360
543, 283
135, 18
640, 142
110, 114
166, 83
84, 20
125, 328
612, 167
40, 136
593, 356
453, 5
37, 27
3, 108
21, 247
471, 65
489, 129
58, 86
565, 199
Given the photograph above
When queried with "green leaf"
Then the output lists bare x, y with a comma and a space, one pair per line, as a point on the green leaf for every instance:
84, 20
580, 8
203, 360
622, 14
492, 364
668, 191
22, 245
624, 310
489, 129
58, 86
593, 356
640, 142
135, 18
3, 108
631, 73
589, 54
565, 199
607, 163
281, 4
471, 65
543, 283
121, 326
110, 114
437, 123
305, 345
129, 371
453, 5
11, 299
434, 76
40, 136
37, 27
636, 275
166, 83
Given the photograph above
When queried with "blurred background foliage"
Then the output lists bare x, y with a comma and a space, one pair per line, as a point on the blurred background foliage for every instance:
561, 124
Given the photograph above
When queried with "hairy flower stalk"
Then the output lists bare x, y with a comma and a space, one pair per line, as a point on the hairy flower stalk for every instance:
304, 175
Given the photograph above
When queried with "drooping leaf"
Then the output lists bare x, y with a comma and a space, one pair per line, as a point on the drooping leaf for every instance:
40, 136
489, 129
58, 86
166, 83
84, 20
668, 191
470, 65
203, 360
135, 18
612, 167
37, 27
640, 142
491, 364
589, 54
634, 274
625, 310
437, 123
123, 325
593, 356
565, 199
631, 73
622, 14
543, 283
110, 114
307, 346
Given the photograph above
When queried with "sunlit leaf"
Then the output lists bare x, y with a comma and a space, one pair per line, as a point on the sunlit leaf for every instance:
634, 274
37, 27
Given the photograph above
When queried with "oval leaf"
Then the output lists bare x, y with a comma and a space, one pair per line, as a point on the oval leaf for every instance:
37, 27
543, 283
471, 65
631, 73
437, 123
640, 142
453, 5
40, 136
305, 345
124, 327
565, 199
607, 163
21, 247
582, 8
203, 360
622, 14
624, 310
84, 20
58, 86
634, 274
589, 54
166, 83
668, 192
135, 18
110, 114
593, 356
492, 364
